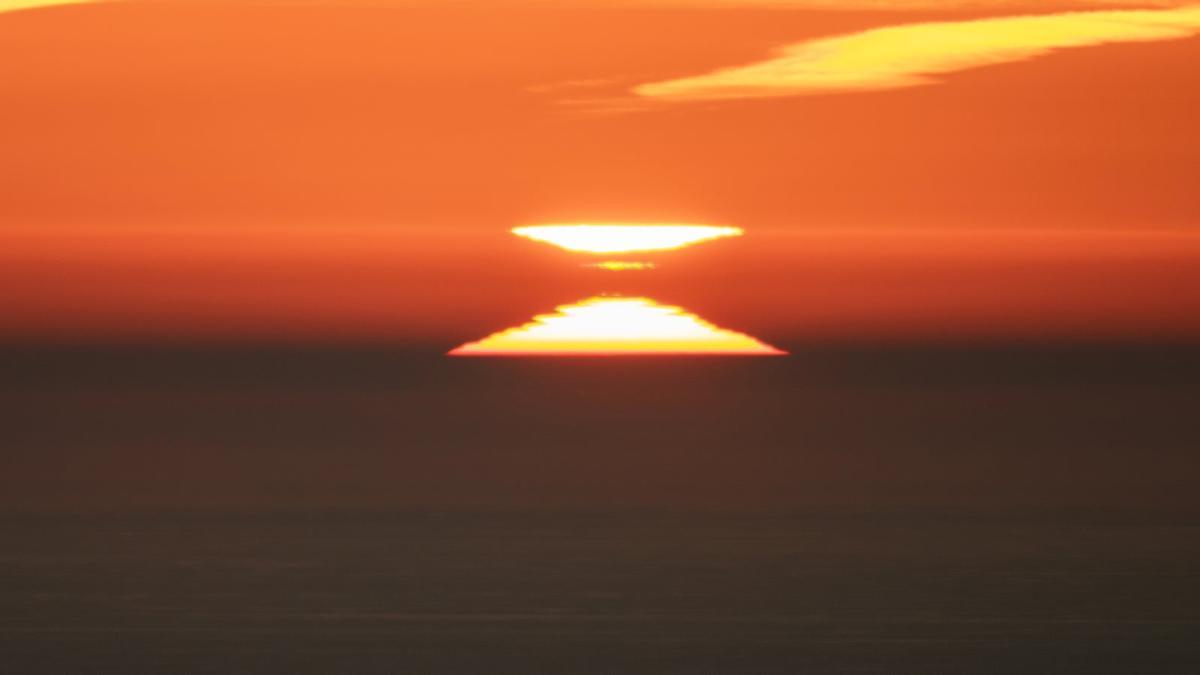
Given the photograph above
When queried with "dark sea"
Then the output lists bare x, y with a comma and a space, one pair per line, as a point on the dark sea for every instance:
600, 592
902, 511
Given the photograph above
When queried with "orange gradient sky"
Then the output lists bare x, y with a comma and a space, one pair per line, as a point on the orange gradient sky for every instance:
344, 170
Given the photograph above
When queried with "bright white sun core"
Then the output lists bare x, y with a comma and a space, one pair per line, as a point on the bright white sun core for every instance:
611, 326
608, 239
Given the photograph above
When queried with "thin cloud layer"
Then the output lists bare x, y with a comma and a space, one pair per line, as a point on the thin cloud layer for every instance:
917, 54
18, 5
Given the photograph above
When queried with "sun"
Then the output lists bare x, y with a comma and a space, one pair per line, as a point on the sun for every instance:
624, 238
610, 326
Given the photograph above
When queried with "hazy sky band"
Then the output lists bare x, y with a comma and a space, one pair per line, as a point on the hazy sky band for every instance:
824, 5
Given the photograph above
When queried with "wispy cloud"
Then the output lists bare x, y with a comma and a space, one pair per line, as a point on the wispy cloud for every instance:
568, 85
18, 5
916, 54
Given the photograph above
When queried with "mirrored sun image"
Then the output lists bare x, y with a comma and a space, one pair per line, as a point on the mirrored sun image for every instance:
610, 326
624, 238
621, 266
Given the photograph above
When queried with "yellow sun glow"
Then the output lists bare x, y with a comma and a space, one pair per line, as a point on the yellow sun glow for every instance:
621, 266
603, 239
615, 326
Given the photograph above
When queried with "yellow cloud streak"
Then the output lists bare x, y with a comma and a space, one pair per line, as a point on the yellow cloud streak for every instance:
18, 5
915, 54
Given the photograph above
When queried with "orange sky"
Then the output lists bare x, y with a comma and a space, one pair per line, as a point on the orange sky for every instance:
346, 170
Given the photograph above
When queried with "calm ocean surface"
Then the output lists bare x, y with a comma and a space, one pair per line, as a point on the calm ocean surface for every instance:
628, 592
